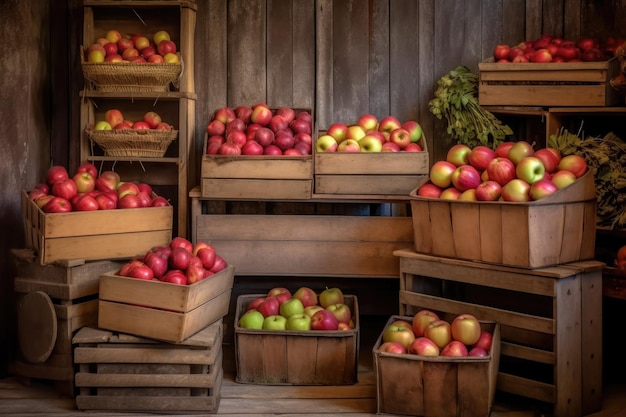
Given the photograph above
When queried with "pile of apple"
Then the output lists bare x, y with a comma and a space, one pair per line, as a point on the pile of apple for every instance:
428, 335
257, 130
370, 135
303, 310
137, 48
114, 119
550, 48
88, 191
514, 171
181, 262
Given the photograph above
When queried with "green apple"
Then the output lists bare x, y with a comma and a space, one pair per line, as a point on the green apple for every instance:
102, 125
251, 319
326, 143
311, 310
331, 296
291, 307
299, 322
370, 144
275, 322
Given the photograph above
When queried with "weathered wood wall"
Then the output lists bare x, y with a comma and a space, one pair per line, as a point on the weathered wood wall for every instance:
338, 57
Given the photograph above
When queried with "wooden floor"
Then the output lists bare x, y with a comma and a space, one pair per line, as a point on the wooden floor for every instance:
38, 398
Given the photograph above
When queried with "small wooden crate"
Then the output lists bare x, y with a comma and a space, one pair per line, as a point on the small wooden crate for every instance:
307, 245
161, 310
550, 321
551, 84
95, 235
257, 177
557, 229
376, 175
54, 301
314, 357
436, 386
123, 373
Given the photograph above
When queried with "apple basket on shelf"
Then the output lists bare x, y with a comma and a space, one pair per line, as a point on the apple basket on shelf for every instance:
116, 77
133, 143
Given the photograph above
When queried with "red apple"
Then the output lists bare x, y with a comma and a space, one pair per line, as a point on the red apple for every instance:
152, 118
65, 188
392, 347
421, 320
458, 154
181, 242
484, 341
480, 156
542, 188
423, 346
563, 178
501, 52
179, 258
502, 150
573, 163
157, 261
261, 114
84, 181
342, 312
243, 113
488, 191
520, 150
207, 256
175, 276
516, 190
400, 137
85, 202
441, 173
306, 295
282, 294
324, 320
55, 174
501, 170
429, 190
269, 307
465, 177
454, 348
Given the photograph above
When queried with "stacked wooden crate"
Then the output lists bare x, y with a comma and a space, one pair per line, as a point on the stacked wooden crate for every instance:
54, 302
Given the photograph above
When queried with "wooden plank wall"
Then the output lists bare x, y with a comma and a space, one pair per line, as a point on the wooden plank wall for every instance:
343, 58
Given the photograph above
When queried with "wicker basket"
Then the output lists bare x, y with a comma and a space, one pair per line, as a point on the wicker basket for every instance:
133, 143
116, 77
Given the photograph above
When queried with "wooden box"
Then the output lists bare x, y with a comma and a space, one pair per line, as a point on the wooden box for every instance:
550, 322
557, 229
117, 372
550, 84
314, 357
53, 302
363, 175
161, 310
95, 235
307, 244
257, 177
436, 386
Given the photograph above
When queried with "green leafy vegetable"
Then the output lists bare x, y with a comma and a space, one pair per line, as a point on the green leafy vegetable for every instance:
468, 123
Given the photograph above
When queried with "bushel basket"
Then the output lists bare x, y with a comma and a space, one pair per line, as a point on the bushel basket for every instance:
133, 143
117, 77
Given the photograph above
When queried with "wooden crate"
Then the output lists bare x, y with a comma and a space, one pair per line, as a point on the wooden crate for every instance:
550, 321
362, 175
557, 229
95, 235
54, 302
436, 386
257, 177
124, 373
550, 84
314, 357
352, 246
161, 310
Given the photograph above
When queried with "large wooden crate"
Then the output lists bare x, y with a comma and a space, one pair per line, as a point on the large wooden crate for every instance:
313, 357
557, 229
94, 235
162, 310
124, 373
436, 386
550, 321
549, 84
328, 245
53, 303
365, 175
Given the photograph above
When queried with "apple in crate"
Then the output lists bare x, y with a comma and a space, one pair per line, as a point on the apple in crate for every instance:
530, 169
269, 307
454, 348
275, 322
424, 346
439, 332
421, 320
331, 296
291, 307
466, 329
324, 320
341, 311
458, 154
311, 310
480, 156
251, 319
300, 322
392, 347
484, 341
306, 295
400, 334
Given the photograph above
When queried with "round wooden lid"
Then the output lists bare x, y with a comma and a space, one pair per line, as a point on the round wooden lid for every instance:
37, 326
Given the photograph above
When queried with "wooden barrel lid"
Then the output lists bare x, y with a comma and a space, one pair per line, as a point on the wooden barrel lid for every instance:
37, 326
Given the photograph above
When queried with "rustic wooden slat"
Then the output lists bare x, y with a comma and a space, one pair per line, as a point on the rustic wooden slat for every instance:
513, 31
280, 50
553, 12
247, 50
534, 19
403, 59
379, 62
303, 64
